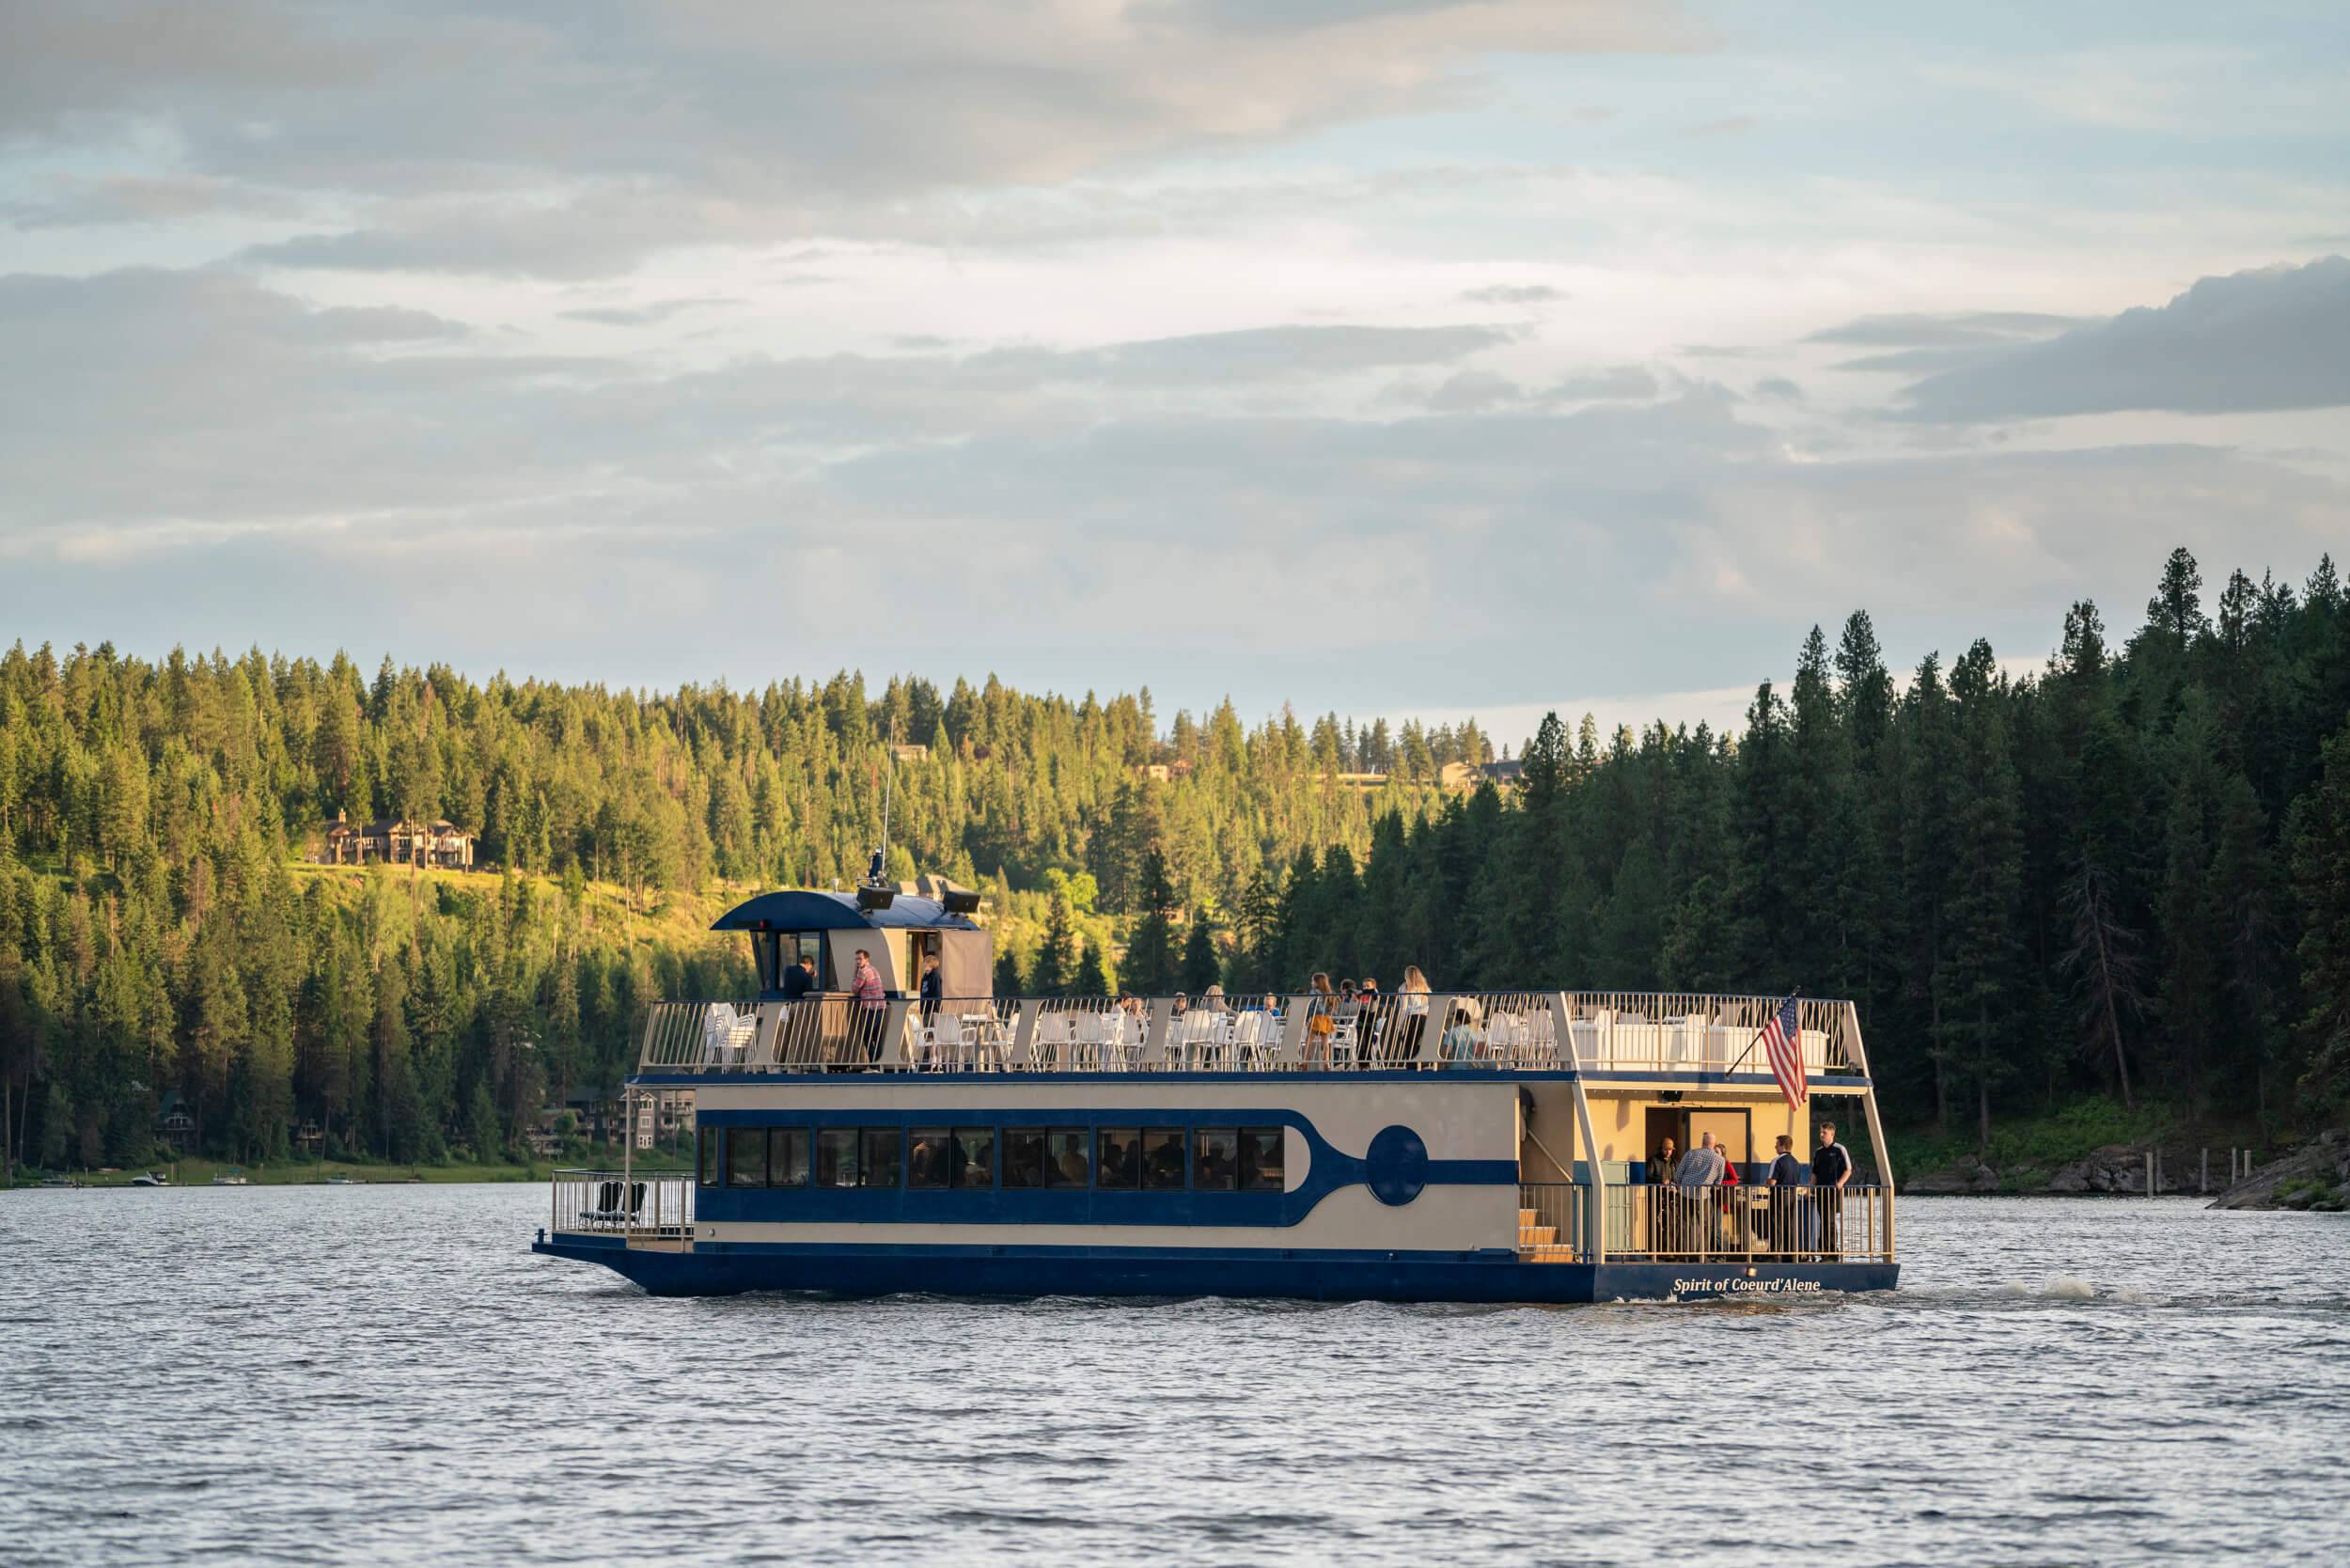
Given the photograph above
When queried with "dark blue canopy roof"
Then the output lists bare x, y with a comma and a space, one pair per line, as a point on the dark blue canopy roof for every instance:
797, 909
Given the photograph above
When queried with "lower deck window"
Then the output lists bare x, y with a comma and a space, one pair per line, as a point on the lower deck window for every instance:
1118, 1157
1058, 1157
1023, 1156
1261, 1151
879, 1160
938, 1158
1066, 1164
708, 1175
787, 1156
974, 1153
746, 1157
1162, 1158
1215, 1159
836, 1157
929, 1159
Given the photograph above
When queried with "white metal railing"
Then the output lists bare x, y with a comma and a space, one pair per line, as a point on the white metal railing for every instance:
1522, 1031
1749, 1222
1690, 1032
1550, 1221
641, 1205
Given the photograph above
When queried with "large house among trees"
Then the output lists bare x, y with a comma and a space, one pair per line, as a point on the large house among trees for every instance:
440, 845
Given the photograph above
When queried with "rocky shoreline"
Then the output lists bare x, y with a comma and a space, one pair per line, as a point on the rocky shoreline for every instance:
2316, 1176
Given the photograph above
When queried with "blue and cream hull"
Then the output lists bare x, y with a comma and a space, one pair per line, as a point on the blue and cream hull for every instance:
729, 1268
1369, 1187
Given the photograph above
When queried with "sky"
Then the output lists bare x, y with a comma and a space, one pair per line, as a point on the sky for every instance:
1383, 356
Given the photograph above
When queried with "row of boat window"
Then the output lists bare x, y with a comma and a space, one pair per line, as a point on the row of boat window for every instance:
937, 1159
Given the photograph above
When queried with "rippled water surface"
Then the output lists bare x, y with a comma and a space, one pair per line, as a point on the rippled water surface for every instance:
386, 1374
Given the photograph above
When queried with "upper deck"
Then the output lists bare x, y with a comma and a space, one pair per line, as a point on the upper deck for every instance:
1665, 1037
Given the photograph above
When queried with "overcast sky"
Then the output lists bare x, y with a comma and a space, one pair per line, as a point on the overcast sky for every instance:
1380, 355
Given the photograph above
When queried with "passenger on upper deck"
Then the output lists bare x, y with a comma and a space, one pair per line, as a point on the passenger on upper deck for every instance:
1413, 991
1459, 1042
866, 986
1370, 1024
1320, 1023
800, 979
929, 986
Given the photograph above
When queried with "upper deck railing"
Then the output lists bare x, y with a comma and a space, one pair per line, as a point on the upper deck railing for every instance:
1664, 1033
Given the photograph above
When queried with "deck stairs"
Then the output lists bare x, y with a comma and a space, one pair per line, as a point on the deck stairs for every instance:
1539, 1243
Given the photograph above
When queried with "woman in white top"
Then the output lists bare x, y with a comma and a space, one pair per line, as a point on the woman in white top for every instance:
1412, 996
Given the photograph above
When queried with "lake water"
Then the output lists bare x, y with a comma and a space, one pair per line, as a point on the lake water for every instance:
385, 1375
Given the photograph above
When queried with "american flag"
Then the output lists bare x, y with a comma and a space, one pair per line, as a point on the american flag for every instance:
1782, 1039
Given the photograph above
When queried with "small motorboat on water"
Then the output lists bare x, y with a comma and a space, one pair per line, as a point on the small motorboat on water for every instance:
232, 1177
152, 1179
343, 1182
59, 1182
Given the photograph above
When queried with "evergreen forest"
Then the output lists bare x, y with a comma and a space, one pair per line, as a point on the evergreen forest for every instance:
2125, 873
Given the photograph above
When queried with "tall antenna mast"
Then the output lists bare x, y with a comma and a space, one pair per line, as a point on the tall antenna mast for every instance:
889, 788
874, 893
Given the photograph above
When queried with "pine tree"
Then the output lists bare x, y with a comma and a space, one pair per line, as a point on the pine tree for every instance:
2321, 869
1151, 953
1056, 963
1092, 979
1201, 966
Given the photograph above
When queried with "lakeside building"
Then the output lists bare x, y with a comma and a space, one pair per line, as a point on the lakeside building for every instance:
174, 1125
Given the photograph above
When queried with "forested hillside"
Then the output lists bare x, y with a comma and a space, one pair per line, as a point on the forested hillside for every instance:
2129, 871
153, 938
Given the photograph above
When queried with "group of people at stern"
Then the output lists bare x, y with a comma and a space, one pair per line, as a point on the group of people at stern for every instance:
1701, 1203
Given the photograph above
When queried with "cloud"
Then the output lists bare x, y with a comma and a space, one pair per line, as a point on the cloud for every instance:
646, 315
1963, 328
1620, 381
200, 448
2277, 338
563, 141
1472, 391
97, 202
1513, 293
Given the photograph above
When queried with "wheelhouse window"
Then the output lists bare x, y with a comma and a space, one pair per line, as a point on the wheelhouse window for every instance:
973, 1158
1118, 1162
1215, 1159
880, 1160
1162, 1159
746, 1157
708, 1175
787, 1156
1261, 1152
836, 1157
1023, 1156
1065, 1158
931, 1163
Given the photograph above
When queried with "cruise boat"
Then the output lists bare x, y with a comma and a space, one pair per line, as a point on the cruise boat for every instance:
1487, 1146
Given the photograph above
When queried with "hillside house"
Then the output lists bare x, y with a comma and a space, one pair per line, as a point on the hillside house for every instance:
438, 845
